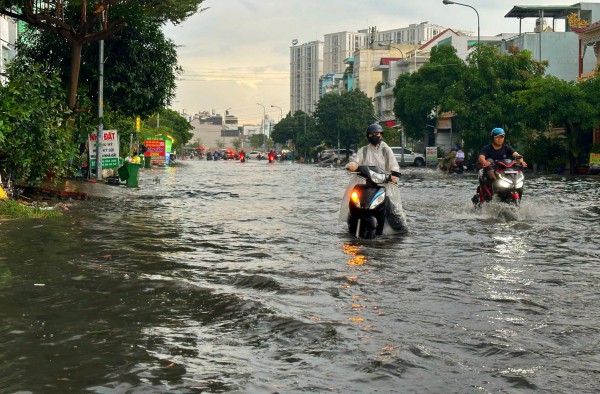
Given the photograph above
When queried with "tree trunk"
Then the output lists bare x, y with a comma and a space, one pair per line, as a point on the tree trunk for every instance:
75, 67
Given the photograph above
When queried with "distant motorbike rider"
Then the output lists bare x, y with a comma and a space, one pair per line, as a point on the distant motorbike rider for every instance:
460, 156
378, 153
449, 161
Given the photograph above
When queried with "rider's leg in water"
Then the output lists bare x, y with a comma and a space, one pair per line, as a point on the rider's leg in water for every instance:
488, 180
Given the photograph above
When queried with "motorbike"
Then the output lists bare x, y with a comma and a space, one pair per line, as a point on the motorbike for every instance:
507, 186
367, 203
271, 158
456, 168
242, 158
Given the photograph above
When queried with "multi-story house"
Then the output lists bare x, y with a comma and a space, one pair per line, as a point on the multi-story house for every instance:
561, 49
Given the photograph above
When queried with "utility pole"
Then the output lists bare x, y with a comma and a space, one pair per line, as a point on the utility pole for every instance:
100, 106
262, 124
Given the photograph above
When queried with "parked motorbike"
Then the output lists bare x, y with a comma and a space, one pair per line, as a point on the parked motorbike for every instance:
507, 186
367, 204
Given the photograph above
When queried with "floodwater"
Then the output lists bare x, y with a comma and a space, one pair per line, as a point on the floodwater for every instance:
237, 277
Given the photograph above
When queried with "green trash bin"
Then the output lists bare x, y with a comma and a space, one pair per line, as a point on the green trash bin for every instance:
147, 161
128, 172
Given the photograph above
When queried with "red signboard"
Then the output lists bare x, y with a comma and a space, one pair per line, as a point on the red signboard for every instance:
156, 148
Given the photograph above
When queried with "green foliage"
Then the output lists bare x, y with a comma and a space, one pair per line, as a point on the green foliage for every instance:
543, 148
550, 102
344, 117
139, 90
483, 93
174, 11
35, 134
485, 96
420, 93
300, 130
14, 210
174, 125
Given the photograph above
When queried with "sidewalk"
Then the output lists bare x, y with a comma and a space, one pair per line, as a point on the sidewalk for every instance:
76, 189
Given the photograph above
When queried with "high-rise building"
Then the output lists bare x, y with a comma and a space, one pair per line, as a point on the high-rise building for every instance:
415, 34
306, 67
339, 47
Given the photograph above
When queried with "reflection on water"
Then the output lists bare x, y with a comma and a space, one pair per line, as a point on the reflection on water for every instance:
223, 276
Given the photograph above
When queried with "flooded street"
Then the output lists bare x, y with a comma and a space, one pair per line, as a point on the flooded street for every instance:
237, 277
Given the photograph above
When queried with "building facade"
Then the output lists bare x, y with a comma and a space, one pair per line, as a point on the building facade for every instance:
306, 68
415, 34
338, 47
560, 49
8, 37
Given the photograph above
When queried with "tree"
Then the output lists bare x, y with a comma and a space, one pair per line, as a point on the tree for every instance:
177, 126
300, 129
126, 88
484, 97
418, 94
34, 138
83, 27
257, 140
550, 102
344, 117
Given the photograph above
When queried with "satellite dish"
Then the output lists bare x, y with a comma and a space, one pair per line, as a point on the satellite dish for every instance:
294, 41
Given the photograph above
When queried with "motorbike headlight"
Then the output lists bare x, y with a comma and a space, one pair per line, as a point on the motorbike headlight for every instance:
504, 183
519, 181
355, 198
379, 199
378, 177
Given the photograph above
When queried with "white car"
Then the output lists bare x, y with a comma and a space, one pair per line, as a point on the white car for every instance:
254, 154
333, 154
410, 157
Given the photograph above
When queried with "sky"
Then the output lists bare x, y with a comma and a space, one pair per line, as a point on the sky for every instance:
235, 54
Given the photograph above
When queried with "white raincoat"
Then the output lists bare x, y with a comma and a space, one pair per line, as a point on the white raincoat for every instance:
381, 156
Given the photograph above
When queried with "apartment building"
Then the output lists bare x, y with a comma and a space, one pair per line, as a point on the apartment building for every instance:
306, 68
340, 46
415, 34
315, 67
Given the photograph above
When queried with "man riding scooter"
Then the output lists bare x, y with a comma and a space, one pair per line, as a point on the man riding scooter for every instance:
497, 150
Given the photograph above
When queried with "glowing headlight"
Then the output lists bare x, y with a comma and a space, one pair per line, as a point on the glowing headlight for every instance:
519, 181
355, 198
504, 183
379, 198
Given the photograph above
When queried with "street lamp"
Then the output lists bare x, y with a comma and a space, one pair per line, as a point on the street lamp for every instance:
224, 125
262, 124
391, 46
448, 2
280, 111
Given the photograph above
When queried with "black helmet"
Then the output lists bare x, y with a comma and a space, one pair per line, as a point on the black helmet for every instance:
374, 128
498, 131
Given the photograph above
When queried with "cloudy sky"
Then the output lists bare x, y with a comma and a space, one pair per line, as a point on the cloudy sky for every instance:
236, 53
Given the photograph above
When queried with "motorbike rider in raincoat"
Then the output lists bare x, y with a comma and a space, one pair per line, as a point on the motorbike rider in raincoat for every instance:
378, 153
